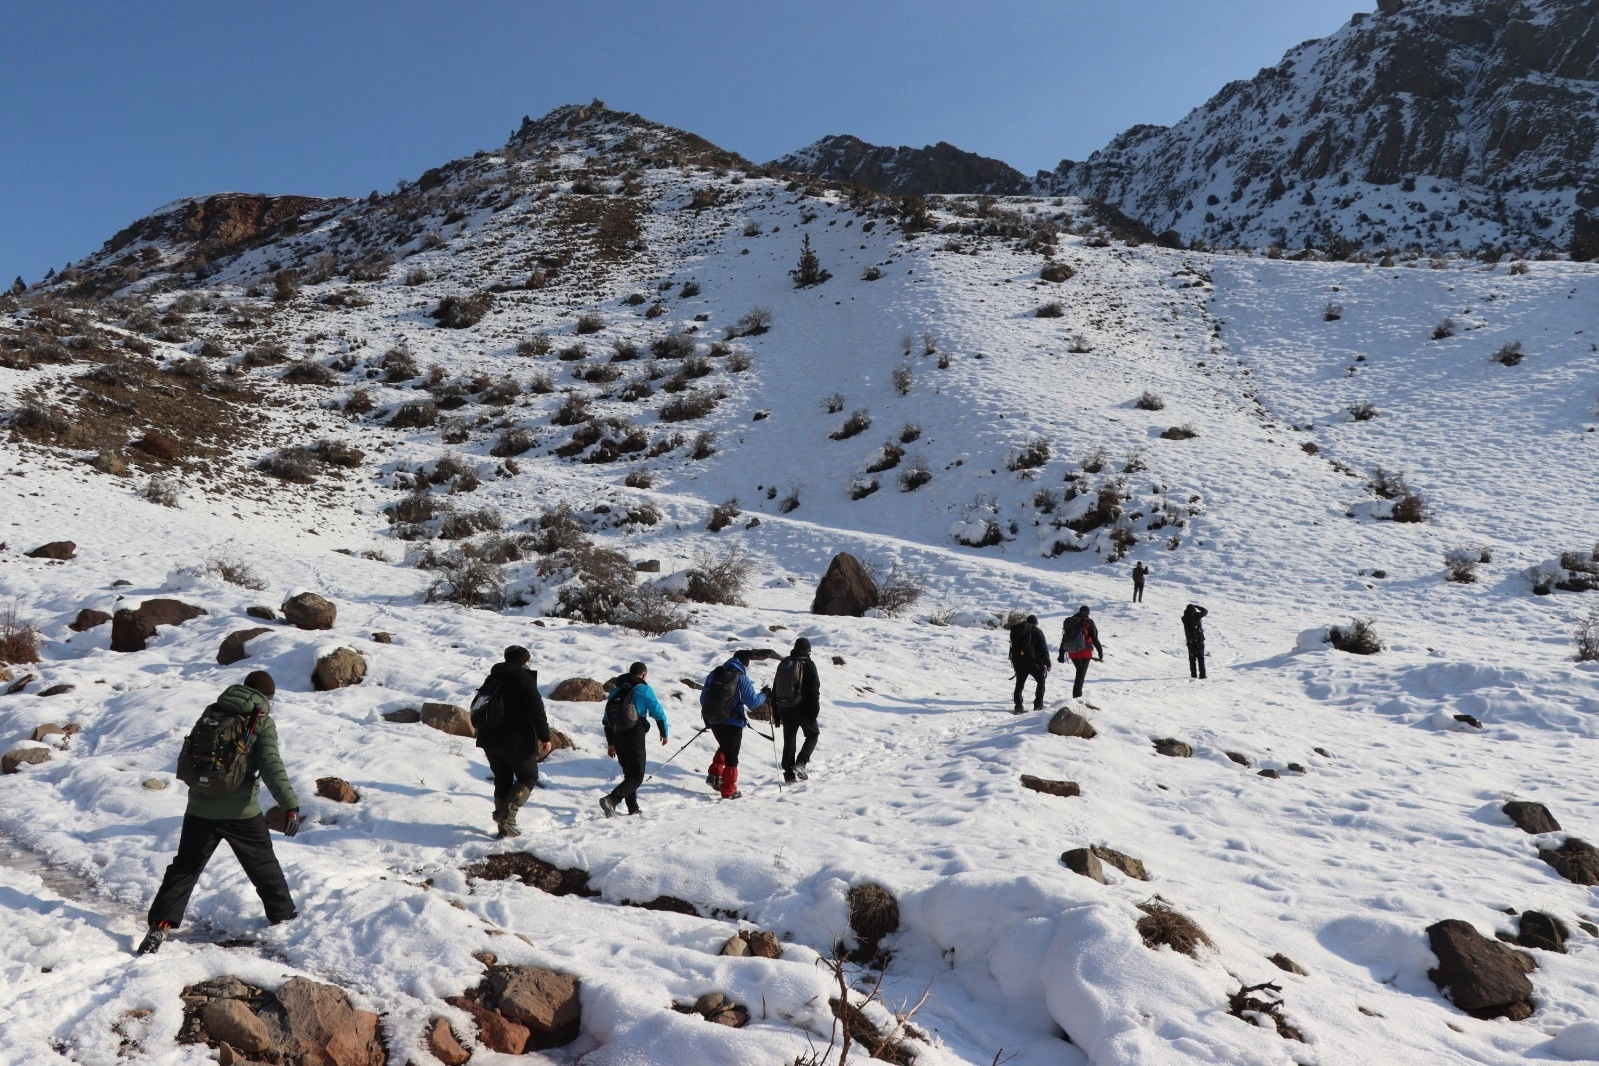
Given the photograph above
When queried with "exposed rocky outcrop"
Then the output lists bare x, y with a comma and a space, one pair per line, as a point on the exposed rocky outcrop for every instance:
935, 168
846, 588
1575, 860
1482, 977
1531, 817
303, 1023
58, 550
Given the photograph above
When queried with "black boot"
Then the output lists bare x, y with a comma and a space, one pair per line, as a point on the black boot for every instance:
153, 939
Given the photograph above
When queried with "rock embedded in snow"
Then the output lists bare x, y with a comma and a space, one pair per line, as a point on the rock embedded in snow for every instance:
1128, 865
1051, 788
545, 1001
336, 789
57, 550
19, 684
307, 610
1544, 931
846, 589
1274, 774
1173, 747
710, 1003
340, 668
88, 619
648, 566
13, 760
1238, 757
495, 1031
154, 784
266, 614
57, 690
232, 1022
1482, 977
233, 648
166, 612
403, 716
1283, 962
736, 946
448, 718
579, 690
1068, 723
382, 638
443, 1045
1531, 817
1576, 860
319, 1025
130, 631
50, 729
1083, 861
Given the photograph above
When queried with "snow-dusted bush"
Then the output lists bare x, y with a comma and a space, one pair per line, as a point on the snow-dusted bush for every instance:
979, 526
1461, 563
695, 403
574, 409
588, 323
416, 415
916, 474
467, 580
1587, 638
863, 487
674, 345
909, 433
904, 379
541, 383
832, 404
162, 490
1332, 312
1149, 401
1034, 453
1364, 411
1080, 345
513, 441
704, 445
1052, 309
723, 514
1444, 330
756, 321
462, 312
791, 501
887, 459
721, 578
898, 589
1186, 431
872, 273
458, 525
1135, 463
296, 464
858, 422
536, 345
1094, 462
1509, 355
1358, 638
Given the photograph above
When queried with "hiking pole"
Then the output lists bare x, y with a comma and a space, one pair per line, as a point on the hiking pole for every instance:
676, 753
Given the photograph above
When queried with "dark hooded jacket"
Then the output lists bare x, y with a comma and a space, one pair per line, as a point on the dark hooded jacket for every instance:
525, 723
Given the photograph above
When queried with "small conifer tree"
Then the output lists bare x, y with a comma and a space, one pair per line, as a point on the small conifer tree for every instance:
809, 272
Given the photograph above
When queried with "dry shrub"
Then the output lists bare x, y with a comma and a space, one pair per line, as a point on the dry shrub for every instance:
296, 464
833, 403
359, 402
399, 365
159, 446
909, 433
1029, 456
1094, 461
458, 525
1364, 411
623, 351
338, 453
309, 372
639, 478
513, 441
704, 445
163, 491
462, 312
468, 580
575, 408
863, 487
672, 346
1509, 355
755, 322
723, 515
415, 415
1053, 309
600, 586
858, 422
1358, 638
589, 323
873, 915
538, 344
1182, 432
904, 379
791, 501
1461, 564
898, 589
690, 405
19, 640
541, 383
235, 572
1587, 638
652, 611
1149, 401
1162, 925
1410, 507
1056, 272
721, 578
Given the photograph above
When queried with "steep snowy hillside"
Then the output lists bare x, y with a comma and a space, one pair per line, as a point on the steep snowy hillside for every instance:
464, 412
1431, 124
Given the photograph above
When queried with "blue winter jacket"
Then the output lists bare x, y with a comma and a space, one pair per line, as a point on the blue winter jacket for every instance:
648, 706
747, 699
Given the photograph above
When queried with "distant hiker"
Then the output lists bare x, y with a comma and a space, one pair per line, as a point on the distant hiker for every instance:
628, 711
1194, 631
796, 703
1140, 572
1079, 640
231, 748
727, 695
1029, 657
508, 714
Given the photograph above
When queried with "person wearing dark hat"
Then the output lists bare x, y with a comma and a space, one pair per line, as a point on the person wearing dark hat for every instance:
517, 738
726, 697
631, 706
223, 805
1194, 634
1079, 640
797, 703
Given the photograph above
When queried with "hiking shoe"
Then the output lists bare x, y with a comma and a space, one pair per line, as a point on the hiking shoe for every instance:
789, 777
634, 809
153, 939
1016, 709
736, 795
801, 773
714, 780
608, 805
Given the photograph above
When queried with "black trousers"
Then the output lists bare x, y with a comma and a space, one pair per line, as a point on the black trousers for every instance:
251, 845
792, 726
1196, 658
728, 740
1037, 673
1138, 592
511, 768
630, 754
1081, 666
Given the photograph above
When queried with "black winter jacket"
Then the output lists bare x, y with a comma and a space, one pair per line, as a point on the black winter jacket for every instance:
1033, 653
525, 724
1194, 623
810, 704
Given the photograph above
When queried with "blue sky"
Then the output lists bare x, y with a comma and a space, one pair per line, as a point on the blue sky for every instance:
112, 109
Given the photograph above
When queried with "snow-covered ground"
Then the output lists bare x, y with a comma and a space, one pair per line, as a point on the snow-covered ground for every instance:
1393, 824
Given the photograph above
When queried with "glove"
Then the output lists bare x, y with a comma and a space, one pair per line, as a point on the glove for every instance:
291, 822
1061, 657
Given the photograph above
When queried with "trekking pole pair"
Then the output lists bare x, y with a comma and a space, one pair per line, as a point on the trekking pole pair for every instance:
676, 753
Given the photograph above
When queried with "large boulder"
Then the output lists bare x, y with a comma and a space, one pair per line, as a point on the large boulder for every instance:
448, 718
317, 1023
88, 619
233, 645
164, 612
1482, 977
846, 588
130, 630
579, 690
1531, 817
339, 668
232, 1022
543, 1000
1575, 860
60, 550
1068, 723
16, 758
309, 611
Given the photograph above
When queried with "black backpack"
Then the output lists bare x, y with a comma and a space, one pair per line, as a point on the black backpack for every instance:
1019, 646
620, 712
215, 758
1073, 634
786, 692
488, 706
720, 696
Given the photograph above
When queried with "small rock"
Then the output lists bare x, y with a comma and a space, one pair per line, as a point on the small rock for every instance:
88, 619
1540, 930
1067, 723
1470, 720
266, 614
1294, 767
1128, 865
752, 523
121, 583
309, 611
448, 718
228, 987
763, 945
579, 690
49, 729
154, 784
1283, 962
384, 638
130, 631
233, 645
1482, 977
543, 1000
1270, 773
736, 946
1173, 747
846, 589
1322, 752
57, 690
1589, 928
487, 958
16, 758
648, 566
710, 1003
443, 1045
1085, 862
1531, 817
336, 789
495, 1031
734, 1017
404, 716
1575, 860
232, 1021
164, 612
1051, 788
20, 683
340, 668
60, 550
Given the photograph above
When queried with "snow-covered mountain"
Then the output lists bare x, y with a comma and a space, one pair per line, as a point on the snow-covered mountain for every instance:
934, 168
553, 393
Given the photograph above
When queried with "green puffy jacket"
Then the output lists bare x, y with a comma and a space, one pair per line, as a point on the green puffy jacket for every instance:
265, 764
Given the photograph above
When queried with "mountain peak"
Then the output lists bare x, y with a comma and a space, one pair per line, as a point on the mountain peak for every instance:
934, 168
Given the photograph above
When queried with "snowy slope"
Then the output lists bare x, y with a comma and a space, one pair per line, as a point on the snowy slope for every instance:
1394, 823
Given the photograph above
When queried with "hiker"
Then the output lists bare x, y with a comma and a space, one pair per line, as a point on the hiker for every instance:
628, 711
727, 695
796, 703
231, 749
1140, 571
1194, 631
1029, 657
508, 714
1079, 640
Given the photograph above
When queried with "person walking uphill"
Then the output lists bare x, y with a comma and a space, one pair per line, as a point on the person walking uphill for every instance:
796, 704
1140, 572
512, 730
231, 749
628, 712
727, 695
1029, 657
1079, 640
1194, 632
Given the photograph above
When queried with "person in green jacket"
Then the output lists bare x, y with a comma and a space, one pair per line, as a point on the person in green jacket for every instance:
235, 817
